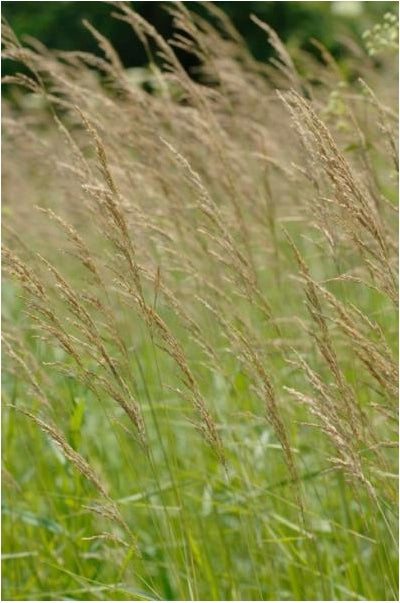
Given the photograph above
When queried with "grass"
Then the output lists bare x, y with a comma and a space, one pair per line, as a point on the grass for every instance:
199, 323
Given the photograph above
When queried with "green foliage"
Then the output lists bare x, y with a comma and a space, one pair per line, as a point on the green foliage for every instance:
383, 36
59, 24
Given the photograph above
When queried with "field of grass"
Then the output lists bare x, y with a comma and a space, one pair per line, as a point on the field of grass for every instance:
200, 321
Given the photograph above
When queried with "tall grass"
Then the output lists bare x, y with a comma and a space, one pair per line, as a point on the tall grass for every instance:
199, 322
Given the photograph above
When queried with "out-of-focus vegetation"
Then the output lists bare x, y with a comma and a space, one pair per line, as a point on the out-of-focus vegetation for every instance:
59, 24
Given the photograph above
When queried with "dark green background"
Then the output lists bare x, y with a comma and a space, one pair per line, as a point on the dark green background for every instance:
58, 24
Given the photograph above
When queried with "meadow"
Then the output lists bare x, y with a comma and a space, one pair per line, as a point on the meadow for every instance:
200, 289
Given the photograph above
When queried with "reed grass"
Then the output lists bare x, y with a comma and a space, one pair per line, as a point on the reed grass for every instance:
199, 321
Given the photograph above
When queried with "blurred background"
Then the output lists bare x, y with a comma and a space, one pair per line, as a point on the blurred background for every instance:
58, 25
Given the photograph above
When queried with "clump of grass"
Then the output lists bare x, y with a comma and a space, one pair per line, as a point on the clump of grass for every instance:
200, 304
